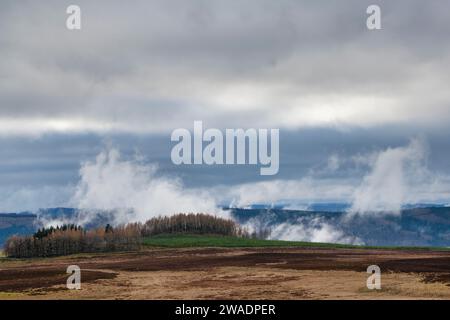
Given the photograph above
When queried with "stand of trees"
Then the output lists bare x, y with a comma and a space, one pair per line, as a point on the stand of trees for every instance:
73, 239
44, 232
193, 224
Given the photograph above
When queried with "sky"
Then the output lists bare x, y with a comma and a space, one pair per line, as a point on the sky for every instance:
363, 114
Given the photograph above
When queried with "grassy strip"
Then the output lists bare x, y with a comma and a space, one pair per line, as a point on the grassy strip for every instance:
187, 241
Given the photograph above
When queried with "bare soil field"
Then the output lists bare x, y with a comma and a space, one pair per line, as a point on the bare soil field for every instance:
244, 273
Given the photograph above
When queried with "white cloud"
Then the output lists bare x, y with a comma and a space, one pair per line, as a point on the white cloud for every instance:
398, 176
312, 230
112, 183
385, 188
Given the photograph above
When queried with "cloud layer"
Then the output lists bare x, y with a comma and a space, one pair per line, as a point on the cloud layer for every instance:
159, 65
375, 182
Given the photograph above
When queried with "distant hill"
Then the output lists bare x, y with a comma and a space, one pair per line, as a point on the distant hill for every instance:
428, 226
414, 227
16, 223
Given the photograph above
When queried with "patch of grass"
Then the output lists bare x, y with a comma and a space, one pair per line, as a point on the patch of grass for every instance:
186, 240
189, 241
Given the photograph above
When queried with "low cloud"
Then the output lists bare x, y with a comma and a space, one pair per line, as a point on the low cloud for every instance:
390, 183
379, 182
313, 229
134, 190
374, 183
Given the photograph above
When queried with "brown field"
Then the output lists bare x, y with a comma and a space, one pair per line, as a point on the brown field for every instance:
256, 273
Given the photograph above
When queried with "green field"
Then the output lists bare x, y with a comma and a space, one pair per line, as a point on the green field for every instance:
188, 241
183, 240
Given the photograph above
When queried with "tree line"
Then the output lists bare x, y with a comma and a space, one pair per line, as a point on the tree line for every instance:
70, 239
193, 224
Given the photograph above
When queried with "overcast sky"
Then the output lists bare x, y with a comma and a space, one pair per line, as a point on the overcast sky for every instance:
342, 96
